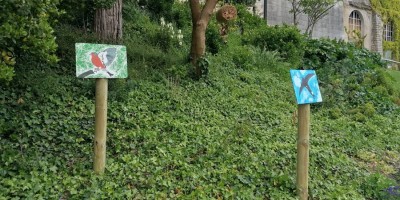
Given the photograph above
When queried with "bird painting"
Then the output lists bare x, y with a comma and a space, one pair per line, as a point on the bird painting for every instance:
304, 84
100, 62
306, 87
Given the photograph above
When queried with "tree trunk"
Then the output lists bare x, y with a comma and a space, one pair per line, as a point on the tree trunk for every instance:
198, 47
200, 19
108, 22
310, 27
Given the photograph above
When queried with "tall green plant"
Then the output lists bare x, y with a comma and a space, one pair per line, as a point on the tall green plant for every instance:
287, 40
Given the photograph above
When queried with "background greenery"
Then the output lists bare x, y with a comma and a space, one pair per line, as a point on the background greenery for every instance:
231, 135
390, 13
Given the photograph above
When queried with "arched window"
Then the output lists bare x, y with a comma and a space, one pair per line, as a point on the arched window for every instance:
355, 22
388, 31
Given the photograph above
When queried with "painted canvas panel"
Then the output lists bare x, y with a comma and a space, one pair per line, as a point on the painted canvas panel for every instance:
100, 61
305, 84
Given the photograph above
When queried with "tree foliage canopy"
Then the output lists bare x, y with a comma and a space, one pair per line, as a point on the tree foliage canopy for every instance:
26, 30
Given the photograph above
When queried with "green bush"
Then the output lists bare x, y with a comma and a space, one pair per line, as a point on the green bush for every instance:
376, 187
158, 8
252, 58
246, 21
287, 40
351, 75
214, 41
78, 13
244, 2
181, 15
27, 34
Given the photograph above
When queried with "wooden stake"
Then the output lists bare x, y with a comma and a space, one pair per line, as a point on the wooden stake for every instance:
303, 150
100, 126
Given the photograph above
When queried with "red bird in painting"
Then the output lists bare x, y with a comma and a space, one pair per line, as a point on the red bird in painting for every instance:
97, 61
100, 62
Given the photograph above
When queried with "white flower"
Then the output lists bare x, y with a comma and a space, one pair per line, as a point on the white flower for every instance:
180, 36
162, 21
169, 25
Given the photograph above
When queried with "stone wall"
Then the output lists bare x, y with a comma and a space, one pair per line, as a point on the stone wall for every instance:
333, 25
364, 10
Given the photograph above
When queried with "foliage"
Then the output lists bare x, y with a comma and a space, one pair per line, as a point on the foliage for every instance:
229, 136
390, 12
26, 34
247, 21
287, 40
78, 13
356, 37
181, 15
107, 4
158, 8
252, 58
352, 75
243, 2
214, 41
150, 45
377, 186
7, 63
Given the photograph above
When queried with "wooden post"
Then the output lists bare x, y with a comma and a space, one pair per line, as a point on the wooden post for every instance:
303, 150
100, 126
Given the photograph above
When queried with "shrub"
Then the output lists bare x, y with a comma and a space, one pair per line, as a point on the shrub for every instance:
26, 34
214, 41
252, 58
158, 8
247, 21
287, 40
350, 75
181, 15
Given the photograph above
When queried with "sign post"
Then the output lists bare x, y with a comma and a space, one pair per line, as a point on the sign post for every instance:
101, 62
303, 150
307, 91
100, 129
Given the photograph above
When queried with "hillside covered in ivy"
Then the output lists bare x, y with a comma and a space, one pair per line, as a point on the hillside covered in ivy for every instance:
232, 134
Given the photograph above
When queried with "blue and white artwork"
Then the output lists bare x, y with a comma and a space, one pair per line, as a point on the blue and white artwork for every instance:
305, 84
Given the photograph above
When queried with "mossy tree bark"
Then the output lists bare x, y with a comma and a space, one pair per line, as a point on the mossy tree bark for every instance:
108, 22
200, 19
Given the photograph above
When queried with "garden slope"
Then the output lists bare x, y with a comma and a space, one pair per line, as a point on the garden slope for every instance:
230, 136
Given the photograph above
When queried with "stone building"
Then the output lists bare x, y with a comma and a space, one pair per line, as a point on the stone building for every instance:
344, 17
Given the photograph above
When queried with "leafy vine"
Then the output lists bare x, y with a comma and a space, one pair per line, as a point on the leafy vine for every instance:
390, 12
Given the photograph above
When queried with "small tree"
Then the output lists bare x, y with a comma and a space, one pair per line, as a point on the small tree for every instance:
296, 10
315, 10
200, 18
